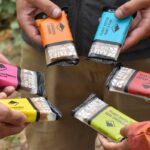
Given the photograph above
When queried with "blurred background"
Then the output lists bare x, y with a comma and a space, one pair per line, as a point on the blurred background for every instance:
10, 45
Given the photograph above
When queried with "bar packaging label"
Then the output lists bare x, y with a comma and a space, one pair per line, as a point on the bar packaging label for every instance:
8, 75
140, 84
22, 105
111, 29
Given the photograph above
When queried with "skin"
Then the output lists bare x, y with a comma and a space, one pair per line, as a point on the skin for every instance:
11, 122
28, 9
108, 145
141, 25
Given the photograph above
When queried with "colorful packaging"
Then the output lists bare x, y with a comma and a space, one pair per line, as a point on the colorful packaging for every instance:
129, 81
27, 80
35, 109
57, 40
109, 38
103, 118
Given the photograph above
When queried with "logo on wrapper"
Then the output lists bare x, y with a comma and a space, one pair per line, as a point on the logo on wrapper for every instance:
2, 67
115, 28
110, 123
60, 27
13, 103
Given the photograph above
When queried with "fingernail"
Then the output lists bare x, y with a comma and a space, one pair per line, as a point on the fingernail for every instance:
119, 13
56, 12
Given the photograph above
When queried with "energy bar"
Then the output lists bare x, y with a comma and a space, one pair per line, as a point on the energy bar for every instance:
129, 81
57, 40
101, 117
109, 37
35, 109
24, 79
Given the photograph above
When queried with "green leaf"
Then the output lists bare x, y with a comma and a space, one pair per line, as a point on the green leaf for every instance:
14, 25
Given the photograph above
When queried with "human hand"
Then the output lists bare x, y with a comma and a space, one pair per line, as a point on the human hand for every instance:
140, 28
11, 122
28, 9
108, 145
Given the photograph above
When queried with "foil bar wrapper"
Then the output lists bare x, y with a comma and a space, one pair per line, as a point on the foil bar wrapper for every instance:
109, 38
35, 109
24, 79
57, 40
103, 118
129, 81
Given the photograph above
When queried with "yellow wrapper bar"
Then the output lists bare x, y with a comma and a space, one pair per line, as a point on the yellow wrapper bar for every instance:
35, 109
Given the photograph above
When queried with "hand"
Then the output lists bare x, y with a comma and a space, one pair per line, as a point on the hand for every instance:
140, 28
11, 122
108, 145
28, 9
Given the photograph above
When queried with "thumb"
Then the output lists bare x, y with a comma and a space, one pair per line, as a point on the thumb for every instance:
124, 131
131, 8
47, 7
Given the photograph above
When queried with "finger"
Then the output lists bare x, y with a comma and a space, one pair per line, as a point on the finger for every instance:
9, 90
111, 145
16, 118
11, 117
3, 59
124, 131
29, 27
134, 37
7, 130
48, 7
131, 7
136, 21
3, 95
106, 144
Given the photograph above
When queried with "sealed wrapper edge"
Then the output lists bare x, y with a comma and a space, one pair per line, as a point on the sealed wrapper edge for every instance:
35, 109
62, 54
41, 84
96, 53
115, 69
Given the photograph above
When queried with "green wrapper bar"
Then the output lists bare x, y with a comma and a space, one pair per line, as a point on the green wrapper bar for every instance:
103, 118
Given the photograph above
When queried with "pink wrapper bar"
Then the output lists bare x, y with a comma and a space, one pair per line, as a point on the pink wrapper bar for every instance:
27, 80
8, 75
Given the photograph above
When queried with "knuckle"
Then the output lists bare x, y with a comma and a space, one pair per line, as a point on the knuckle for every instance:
125, 9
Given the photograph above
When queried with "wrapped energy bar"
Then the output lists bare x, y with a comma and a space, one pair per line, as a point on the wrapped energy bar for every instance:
57, 40
35, 109
129, 81
103, 118
110, 36
27, 80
